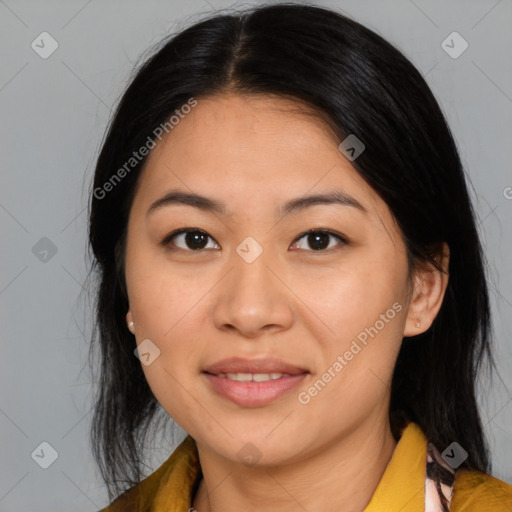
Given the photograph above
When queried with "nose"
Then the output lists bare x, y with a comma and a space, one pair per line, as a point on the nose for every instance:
253, 298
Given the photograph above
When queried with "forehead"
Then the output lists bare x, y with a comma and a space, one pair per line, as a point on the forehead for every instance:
239, 129
249, 151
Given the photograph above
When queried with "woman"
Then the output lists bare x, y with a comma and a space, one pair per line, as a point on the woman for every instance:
289, 267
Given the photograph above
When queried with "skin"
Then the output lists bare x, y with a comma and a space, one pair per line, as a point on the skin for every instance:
298, 304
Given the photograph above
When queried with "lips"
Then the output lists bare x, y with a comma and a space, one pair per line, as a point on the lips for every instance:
253, 366
253, 382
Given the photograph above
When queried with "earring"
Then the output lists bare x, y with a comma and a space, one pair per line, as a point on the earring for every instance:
418, 322
130, 326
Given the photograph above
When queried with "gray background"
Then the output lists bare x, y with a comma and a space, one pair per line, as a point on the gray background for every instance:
54, 112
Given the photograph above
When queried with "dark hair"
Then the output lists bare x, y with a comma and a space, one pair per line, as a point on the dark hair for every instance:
364, 86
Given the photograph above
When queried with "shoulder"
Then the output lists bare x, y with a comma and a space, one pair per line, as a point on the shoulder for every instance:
136, 498
173, 481
139, 497
478, 492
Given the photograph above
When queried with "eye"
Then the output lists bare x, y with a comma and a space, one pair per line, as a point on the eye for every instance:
319, 239
193, 238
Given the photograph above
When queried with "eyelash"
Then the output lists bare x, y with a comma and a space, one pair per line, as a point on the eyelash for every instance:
166, 241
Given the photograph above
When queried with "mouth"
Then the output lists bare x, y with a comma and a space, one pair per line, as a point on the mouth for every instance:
250, 377
256, 366
253, 383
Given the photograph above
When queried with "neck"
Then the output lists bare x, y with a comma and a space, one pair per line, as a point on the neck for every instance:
342, 475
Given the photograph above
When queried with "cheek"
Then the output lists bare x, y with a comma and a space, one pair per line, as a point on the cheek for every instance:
165, 307
170, 316
161, 294
353, 296
353, 378
364, 311
175, 392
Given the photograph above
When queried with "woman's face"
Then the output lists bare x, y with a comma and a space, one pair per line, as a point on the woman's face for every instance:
251, 285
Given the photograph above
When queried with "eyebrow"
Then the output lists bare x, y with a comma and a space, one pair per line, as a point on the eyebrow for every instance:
295, 205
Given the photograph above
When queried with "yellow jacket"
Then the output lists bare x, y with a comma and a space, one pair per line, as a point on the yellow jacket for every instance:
402, 488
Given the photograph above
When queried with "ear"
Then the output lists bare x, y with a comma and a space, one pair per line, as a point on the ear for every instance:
429, 287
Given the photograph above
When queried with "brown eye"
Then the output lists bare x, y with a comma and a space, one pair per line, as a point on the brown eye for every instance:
191, 239
319, 240
195, 240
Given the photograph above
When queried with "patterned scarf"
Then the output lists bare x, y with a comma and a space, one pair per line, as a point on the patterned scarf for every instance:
439, 481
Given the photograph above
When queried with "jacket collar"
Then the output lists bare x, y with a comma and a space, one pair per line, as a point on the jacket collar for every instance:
402, 486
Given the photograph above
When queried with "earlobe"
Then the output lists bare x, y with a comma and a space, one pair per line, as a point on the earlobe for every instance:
129, 322
430, 283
